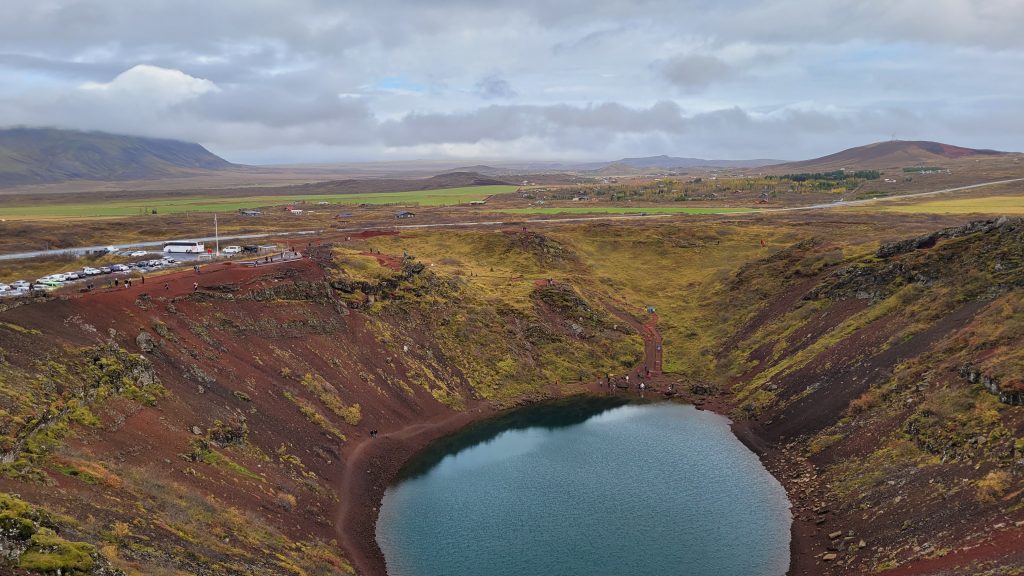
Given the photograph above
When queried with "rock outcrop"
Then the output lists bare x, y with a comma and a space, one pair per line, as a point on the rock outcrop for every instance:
890, 249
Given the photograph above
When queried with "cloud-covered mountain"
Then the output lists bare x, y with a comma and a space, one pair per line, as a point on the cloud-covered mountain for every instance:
45, 155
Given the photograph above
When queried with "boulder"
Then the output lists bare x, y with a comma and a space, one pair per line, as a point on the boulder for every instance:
146, 342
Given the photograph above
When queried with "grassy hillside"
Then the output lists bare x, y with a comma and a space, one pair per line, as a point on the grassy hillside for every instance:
44, 155
897, 374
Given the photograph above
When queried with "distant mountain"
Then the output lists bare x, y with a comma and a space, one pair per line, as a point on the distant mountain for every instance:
892, 154
621, 166
677, 163
46, 155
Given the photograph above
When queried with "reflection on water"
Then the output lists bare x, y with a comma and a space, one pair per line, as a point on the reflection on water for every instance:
588, 487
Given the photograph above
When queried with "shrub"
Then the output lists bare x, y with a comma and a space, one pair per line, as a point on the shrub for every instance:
49, 553
822, 442
994, 485
865, 402
286, 501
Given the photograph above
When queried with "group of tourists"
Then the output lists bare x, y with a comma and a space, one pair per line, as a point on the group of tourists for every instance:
624, 382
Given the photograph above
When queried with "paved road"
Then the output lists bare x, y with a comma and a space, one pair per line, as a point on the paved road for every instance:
840, 204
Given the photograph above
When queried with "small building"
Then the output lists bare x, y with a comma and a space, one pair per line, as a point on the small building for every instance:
404, 214
250, 212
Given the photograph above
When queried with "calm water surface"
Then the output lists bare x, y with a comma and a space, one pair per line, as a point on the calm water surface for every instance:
654, 490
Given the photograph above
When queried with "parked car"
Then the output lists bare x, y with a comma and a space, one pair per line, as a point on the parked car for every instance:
89, 271
232, 250
4, 287
119, 268
20, 285
106, 269
49, 283
169, 260
138, 253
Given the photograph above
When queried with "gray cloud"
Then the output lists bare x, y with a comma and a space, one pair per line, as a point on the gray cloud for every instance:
697, 71
578, 78
493, 87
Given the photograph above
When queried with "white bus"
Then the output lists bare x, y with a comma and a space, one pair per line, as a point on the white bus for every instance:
185, 247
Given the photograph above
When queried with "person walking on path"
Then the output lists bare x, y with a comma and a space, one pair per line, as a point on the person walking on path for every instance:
143, 279
167, 286
195, 286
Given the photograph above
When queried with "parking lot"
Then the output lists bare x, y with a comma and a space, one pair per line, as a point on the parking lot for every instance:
108, 275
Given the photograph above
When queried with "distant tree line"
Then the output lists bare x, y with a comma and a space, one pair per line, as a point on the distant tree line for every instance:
835, 175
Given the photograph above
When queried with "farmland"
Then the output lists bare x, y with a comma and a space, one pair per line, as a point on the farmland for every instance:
980, 205
200, 204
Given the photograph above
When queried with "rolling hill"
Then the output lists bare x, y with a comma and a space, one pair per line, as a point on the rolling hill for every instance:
891, 154
47, 155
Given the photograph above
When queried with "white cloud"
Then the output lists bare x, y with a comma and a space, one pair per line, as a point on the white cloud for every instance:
145, 84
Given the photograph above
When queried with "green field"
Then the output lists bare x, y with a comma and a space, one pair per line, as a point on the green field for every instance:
1009, 205
624, 210
115, 208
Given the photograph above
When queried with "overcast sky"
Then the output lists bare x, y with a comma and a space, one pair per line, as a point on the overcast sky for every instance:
279, 81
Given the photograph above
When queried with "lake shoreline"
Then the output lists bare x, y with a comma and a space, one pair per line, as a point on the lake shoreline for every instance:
372, 465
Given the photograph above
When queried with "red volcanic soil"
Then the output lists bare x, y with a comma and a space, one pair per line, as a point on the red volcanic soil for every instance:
1006, 546
385, 260
373, 234
371, 465
225, 359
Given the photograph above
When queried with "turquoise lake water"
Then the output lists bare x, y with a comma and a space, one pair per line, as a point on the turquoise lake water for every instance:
570, 490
